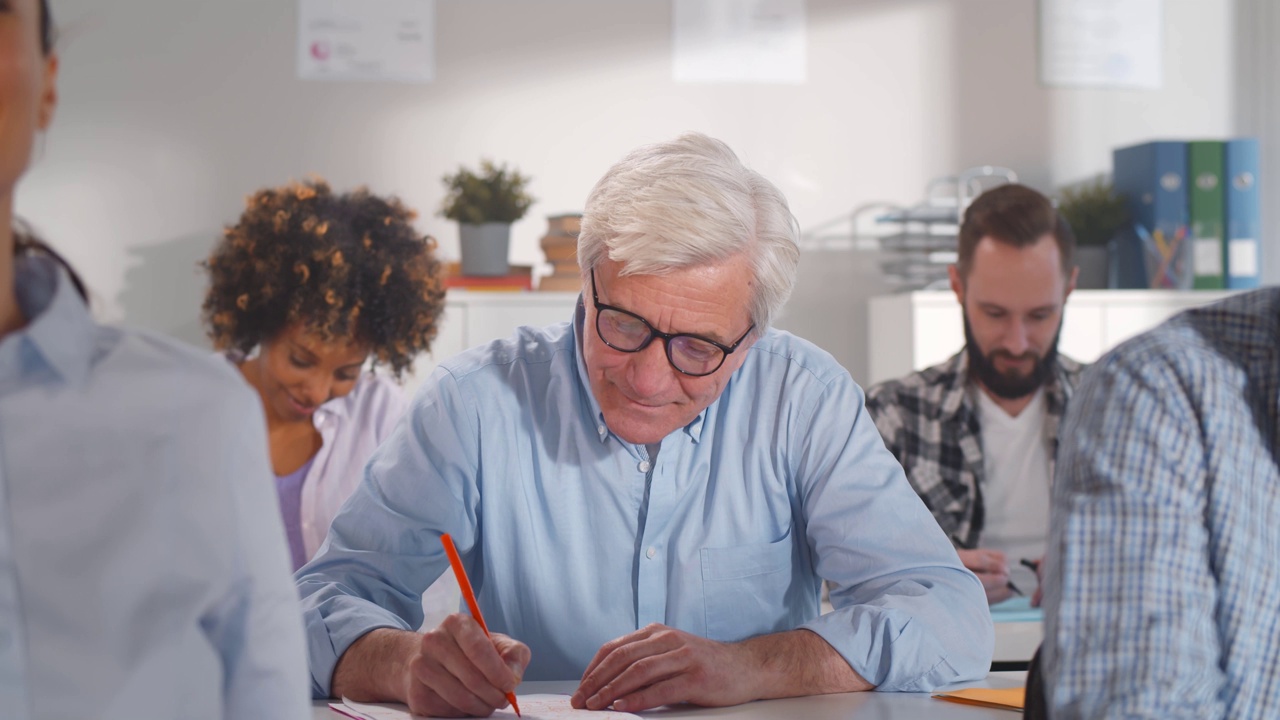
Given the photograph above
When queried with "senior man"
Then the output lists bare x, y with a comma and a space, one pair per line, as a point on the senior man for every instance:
649, 496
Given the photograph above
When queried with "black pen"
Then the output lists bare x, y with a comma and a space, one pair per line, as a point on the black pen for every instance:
1033, 564
1010, 585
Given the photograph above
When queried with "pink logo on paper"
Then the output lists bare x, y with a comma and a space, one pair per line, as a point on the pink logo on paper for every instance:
320, 50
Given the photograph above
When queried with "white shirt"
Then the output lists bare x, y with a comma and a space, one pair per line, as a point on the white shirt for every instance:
143, 571
351, 428
1016, 469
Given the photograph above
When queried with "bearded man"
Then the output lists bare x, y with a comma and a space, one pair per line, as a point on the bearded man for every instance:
977, 434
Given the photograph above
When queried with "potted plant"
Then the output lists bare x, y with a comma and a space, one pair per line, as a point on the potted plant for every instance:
485, 204
1096, 214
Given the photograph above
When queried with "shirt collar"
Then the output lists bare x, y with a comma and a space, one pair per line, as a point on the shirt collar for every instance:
955, 394
693, 429
340, 407
59, 330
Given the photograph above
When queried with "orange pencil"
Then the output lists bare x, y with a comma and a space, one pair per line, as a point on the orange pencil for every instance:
469, 595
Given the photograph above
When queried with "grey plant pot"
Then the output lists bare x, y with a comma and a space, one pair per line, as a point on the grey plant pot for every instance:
1094, 264
484, 248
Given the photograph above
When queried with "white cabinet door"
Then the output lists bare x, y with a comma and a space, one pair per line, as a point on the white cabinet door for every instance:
938, 331
475, 318
492, 321
1127, 315
1080, 338
913, 331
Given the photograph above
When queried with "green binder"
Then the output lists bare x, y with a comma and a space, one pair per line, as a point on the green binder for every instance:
1207, 213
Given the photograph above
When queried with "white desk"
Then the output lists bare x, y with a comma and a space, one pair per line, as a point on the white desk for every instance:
1017, 641
864, 706
1019, 630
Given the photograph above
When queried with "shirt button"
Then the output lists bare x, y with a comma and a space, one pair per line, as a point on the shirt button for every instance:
600, 429
644, 466
650, 552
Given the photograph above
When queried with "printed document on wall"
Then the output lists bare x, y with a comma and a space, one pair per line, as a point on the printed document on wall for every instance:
739, 41
367, 40
1102, 43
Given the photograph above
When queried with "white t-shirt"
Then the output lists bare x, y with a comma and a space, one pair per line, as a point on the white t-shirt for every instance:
1016, 465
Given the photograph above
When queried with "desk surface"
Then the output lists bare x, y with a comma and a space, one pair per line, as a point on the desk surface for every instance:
1019, 630
864, 706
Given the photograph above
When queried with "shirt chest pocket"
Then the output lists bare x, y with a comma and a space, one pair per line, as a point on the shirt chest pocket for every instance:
745, 589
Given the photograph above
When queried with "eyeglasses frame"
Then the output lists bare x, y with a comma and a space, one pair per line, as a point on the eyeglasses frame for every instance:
725, 350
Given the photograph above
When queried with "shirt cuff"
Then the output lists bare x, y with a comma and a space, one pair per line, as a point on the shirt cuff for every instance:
332, 627
896, 652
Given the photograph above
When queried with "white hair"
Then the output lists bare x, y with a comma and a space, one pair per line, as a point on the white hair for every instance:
690, 202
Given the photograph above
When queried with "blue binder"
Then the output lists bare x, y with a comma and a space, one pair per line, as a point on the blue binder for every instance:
1244, 246
1153, 179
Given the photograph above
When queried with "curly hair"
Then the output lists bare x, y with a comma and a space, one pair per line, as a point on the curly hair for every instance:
347, 266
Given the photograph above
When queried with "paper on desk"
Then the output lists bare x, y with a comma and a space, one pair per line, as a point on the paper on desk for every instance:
534, 707
1007, 698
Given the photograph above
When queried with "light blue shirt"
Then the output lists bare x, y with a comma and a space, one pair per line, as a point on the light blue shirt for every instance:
143, 570
573, 537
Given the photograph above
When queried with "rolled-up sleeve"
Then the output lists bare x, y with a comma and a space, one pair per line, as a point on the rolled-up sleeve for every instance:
908, 616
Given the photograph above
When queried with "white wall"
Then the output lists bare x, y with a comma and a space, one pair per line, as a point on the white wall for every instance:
173, 111
1257, 106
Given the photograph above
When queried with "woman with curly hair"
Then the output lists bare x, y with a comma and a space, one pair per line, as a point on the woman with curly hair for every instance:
143, 563
305, 290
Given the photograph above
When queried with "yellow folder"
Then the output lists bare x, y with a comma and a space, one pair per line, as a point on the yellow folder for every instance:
1007, 698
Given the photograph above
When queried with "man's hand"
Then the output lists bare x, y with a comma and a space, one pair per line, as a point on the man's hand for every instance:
451, 671
992, 568
658, 665
457, 670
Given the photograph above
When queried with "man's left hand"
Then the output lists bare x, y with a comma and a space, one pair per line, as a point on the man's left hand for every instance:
658, 665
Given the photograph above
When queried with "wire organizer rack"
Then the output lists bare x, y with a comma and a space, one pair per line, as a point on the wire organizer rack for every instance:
913, 245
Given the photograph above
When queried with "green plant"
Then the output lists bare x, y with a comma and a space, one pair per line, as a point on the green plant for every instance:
1094, 211
495, 194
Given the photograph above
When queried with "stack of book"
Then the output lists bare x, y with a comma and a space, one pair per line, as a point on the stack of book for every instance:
518, 278
560, 245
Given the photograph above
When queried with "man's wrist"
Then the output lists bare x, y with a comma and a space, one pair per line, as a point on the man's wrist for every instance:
798, 662
375, 668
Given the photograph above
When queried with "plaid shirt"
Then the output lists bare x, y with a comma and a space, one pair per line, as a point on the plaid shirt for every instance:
928, 421
1162, 584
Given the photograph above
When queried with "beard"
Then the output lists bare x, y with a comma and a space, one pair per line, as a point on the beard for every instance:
1009, 385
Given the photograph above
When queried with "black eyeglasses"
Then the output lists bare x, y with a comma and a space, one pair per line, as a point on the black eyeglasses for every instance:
627, 332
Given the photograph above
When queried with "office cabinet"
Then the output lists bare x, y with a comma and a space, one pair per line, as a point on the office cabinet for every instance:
474, 318
912, 331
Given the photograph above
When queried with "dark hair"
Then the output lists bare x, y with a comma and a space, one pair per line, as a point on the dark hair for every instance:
1014, 215
26, 244
347, 266
47, 32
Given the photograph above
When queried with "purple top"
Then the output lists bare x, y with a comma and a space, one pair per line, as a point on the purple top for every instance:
289, 488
